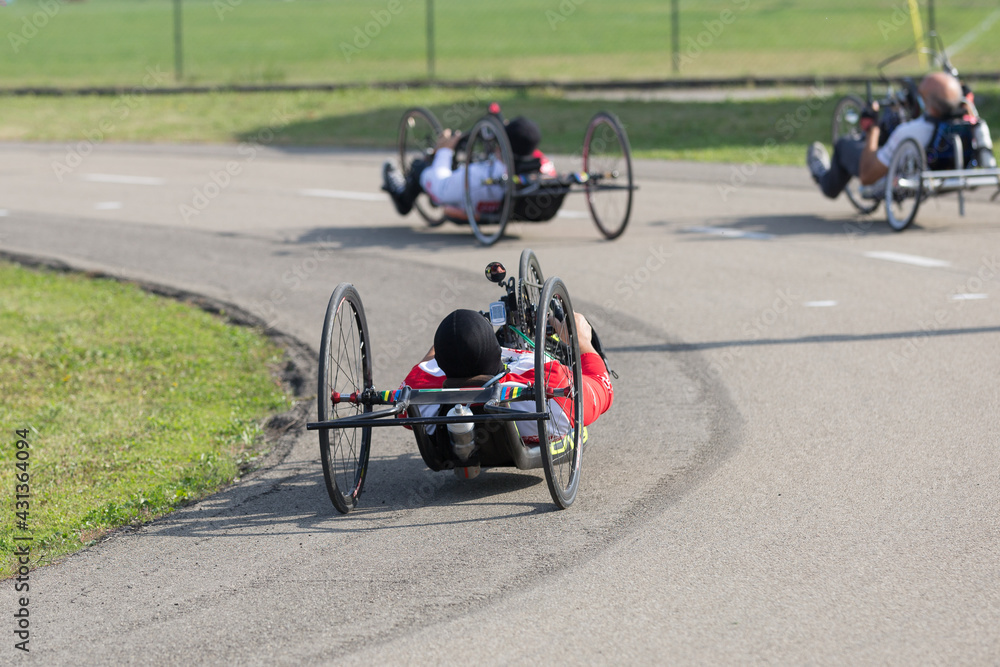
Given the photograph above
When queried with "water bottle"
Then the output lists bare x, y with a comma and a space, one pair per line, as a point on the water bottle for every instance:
461, 434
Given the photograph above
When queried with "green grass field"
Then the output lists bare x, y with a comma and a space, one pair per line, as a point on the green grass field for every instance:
132, 404
730, 132
255, 41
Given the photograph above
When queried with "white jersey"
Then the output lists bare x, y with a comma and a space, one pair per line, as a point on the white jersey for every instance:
920, 129
447, 188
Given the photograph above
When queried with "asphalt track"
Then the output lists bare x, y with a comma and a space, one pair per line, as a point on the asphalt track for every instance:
801, 465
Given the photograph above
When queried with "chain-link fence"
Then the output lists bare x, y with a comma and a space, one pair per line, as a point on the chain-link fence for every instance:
118, 42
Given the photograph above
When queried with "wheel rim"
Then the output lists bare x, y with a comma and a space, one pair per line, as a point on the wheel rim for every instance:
903, 185
529, 291
345, 368
847, 117
607, 161
488, 153
419, 132
560, 437
863, 206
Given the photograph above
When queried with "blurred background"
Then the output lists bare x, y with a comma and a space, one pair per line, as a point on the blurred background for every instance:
111, 42
134, 48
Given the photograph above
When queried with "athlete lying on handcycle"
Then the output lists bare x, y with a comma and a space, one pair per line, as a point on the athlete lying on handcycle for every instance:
444, 182
466, 353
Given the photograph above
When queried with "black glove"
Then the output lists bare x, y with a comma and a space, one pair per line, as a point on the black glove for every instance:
868, 119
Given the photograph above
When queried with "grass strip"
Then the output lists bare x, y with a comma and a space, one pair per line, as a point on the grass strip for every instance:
133, 405
769, 131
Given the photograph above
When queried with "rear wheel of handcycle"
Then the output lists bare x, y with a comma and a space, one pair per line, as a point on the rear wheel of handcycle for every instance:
345, 367
903, 185
607, 160
559, 392
847, 123
529, 291
419, 131
489, 178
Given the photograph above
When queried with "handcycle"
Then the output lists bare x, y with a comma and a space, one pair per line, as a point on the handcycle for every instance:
959, 157
523, 193
533, 314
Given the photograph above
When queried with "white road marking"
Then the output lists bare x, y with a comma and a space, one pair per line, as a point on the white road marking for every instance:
108, 205
915, 260
572, 214
344, 194
124, 179
819, 304
968, 297
4, 213
730, 233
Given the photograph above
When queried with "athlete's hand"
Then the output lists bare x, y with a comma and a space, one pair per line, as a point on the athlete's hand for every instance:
869, 117
448, 139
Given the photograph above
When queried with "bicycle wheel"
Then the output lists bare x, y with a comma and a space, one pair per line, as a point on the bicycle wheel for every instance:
559, 387
846, 123
607, 161
345, 367
529, 291
419, 131
903, 185
488, 179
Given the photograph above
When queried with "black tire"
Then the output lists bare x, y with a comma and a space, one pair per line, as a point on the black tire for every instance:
345, 366
419, 131
903, 185
607, 160
847, 118
561, 436
529, 290
846, 123
489, 150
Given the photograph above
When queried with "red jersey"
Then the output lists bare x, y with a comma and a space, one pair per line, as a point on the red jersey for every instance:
598, 393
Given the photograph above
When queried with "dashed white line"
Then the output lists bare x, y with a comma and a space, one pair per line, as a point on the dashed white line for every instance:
572, 214
108, 205
730, 233
820, 304
968, 297
4, 213
344, 194
124, 179
915, 260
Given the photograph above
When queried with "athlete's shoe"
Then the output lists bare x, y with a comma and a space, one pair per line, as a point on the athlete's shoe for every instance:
394, 183
818, 160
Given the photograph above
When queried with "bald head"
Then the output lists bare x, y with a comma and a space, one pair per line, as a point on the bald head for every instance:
942, 94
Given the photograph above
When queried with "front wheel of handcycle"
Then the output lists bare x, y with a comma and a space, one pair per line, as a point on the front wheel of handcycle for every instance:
607, 162
345, 368
529, 290
488, 179
559, 392
847, 123
419, 131
903, 185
